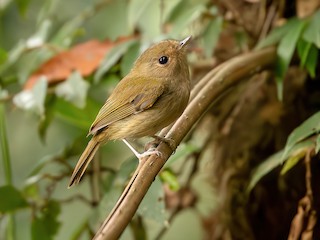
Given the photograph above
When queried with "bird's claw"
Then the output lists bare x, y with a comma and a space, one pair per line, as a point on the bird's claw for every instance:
169, 141
149, 152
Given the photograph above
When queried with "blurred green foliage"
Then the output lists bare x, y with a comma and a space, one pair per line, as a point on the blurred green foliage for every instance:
301, 35
295, 34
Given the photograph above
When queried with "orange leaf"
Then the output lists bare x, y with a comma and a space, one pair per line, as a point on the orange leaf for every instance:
84, 57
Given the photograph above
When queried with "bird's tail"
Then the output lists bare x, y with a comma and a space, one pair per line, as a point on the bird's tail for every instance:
84, 161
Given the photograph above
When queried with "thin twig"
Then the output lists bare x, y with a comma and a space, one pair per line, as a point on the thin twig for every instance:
268, 21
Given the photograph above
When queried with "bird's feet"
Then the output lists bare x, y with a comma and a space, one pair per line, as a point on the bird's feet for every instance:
157, 139
149, 152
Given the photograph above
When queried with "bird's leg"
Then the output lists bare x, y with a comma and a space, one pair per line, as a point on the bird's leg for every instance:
157, 139
141, 155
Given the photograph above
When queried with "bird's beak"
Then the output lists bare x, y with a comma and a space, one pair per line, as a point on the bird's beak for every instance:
184, 42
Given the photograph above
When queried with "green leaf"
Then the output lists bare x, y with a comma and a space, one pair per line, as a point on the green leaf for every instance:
4, 146
279, 85
112, 192
152, 206
47, 10
11, 199
80, 229
13, 56
318, 144
126, 169
81, 118
211, 35
298, 152
170, 178
311, 61
285, 51
115, 12
44, 123
275, 35
107, 202
3, 56
38, 230
74, 90
40, 37
306, 129
33, 100
264, 168
303, 48
30, 61
168, 8
66, 33
39, 165
136, 10
308, 54
129, 58
112, 58
185, 17
33, 53
23, 6
33, 191
183, 151
47, 225
312, 32
288, 44
276, 160
50, 215
68, 151
154, 17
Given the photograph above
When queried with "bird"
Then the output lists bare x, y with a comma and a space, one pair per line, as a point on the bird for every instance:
150, 97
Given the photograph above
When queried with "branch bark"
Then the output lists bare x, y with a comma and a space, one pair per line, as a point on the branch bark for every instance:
210, 88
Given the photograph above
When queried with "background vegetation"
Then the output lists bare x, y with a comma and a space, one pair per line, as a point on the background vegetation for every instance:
248, 169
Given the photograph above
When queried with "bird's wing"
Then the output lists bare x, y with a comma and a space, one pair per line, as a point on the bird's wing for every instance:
131, 96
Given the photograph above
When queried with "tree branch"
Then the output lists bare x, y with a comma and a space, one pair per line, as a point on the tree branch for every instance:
209, 89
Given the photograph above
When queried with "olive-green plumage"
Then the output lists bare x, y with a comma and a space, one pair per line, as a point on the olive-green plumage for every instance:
149, 98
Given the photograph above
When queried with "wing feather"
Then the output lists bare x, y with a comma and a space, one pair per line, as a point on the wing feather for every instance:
136, 96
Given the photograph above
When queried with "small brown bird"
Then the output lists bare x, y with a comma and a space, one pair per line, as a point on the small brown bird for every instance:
149, 98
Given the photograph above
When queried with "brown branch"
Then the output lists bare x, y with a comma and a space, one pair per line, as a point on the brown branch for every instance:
213, 85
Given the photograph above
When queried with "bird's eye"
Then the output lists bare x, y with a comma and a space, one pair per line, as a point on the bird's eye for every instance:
163, 60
